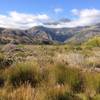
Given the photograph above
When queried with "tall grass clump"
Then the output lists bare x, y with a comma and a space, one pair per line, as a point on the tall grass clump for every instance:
21, 73
1, 60
23, 92
60, 93
92, 82
71, 76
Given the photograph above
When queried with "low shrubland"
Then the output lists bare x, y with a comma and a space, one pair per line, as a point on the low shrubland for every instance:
24, 72
50, 73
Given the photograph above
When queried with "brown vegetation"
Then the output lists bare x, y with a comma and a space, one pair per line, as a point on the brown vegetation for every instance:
44, 72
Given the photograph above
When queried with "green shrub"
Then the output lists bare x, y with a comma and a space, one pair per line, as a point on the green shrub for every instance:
22, 73
60, 73
71, 76
66, 96
60, 94
75, 79
92, 82
94, 42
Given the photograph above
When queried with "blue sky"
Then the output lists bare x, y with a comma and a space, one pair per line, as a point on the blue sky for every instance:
47, 6
54, 9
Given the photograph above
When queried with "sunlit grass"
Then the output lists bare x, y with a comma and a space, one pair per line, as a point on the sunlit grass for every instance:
40, 72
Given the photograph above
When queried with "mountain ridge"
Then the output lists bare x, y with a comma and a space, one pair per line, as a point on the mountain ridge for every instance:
41, 34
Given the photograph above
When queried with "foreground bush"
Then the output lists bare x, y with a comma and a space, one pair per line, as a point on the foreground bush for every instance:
56, 82
64, 96
22, 73
71, 76
60, 92
1, 60
4, 61
24, 92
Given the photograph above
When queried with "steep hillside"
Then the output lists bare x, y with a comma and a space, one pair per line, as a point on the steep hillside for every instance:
93, 42
85, 34
37, 34
40, 34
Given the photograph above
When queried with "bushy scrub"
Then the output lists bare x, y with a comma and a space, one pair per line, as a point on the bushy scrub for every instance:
49, 73
71, 76
65, 96
1, 60
4, 61
60, 93
91, 43
92, 82
21, 73
60, 73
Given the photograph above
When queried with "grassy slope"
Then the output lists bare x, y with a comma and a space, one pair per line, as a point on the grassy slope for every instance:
49, 72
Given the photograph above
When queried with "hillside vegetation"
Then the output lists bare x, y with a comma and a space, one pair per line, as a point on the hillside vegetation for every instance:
94, 42
50, 72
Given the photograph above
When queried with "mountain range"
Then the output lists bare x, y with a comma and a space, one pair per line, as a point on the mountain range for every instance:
41, 34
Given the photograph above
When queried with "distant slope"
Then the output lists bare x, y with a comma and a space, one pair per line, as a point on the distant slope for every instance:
37, 34
40, 34
93, 42
85, 34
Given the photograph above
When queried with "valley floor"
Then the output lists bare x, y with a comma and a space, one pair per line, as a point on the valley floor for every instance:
49, 72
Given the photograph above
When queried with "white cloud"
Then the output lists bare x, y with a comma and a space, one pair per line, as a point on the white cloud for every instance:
84, 17
58, 10
75, 11
24, 21
21, 20
87, 17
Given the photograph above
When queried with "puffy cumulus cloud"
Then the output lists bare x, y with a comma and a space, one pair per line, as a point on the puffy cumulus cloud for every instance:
58, 10
83, 18
21, 20
88, 17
